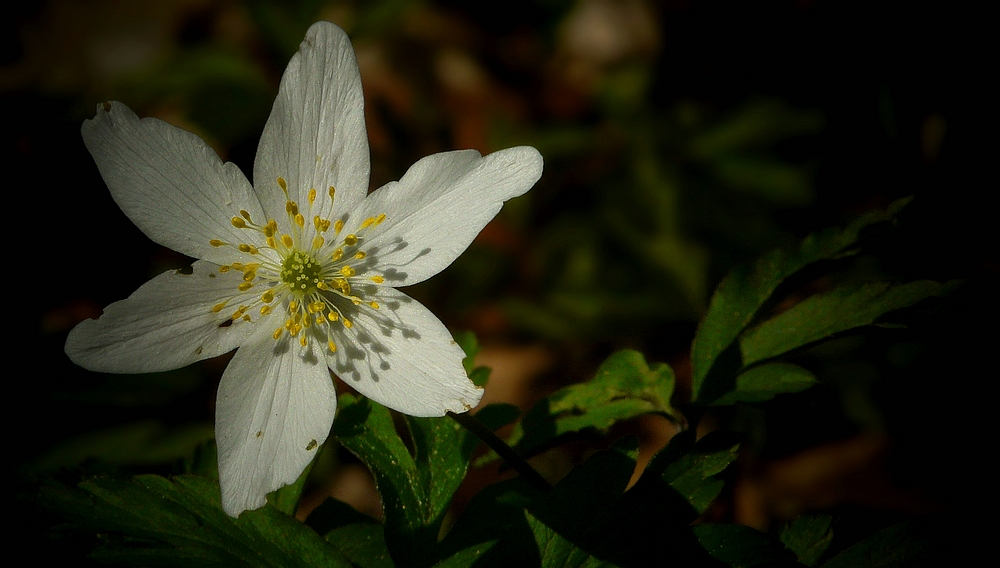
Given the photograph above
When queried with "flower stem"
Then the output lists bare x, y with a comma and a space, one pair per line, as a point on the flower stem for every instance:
528, 473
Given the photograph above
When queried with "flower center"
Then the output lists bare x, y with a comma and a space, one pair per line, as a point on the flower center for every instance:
317, 283
301, 272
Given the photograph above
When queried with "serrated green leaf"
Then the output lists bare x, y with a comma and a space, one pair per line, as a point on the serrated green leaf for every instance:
623, 388
762, 383
415, 489
808, 537
691, 468
822, 316
737, 301
153, 521
740, 546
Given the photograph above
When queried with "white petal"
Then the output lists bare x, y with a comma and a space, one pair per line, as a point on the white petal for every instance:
435, 211
315, 136
166, 324
403, 357
169, 182
275, 406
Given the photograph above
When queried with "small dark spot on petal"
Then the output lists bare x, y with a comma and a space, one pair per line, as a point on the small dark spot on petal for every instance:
311, 445
107, 106
260, 433
226, 323
199, 349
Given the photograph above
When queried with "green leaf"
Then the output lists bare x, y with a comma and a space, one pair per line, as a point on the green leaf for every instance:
692, 468
149, 520
762, 383
624, 387
415, 489
808, 537
742, 294
470, 344
743, 547
822, 316
359, 537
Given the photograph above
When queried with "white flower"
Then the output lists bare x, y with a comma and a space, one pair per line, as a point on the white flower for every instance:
298, 272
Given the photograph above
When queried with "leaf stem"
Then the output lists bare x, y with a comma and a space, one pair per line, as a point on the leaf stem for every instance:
507, 453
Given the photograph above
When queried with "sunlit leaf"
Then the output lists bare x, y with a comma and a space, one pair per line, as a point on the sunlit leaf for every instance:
762, 383
692, 468
624, 387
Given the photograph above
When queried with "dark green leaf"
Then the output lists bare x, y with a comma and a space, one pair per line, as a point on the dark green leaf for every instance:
691, 468
821, 316
624, 387
415, 489
740, 296
359, 537
808, 537
760, 384
153, 521
743, 547
286, 499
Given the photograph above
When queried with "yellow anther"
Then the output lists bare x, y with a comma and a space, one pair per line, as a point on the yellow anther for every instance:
360, 254
347, 271
282, 184
338, 253
348, 324
319, 319
379, 219
224, 268
237, 266
218, 307
374, 305
249, 275
293, 306
351, 240
247, 248
333, 316
321, 224
302, 340
245, 214
297, 318
312, 196
271, 243
330, 345
291, 207
277, 333
239, 223
338, 226
216, 243
321, 285
244, 286
368, 222
378, 279
265, 310
267, 297
300, 220
317, 307
271, 228
356, 301
287, 241
318, 242
306, 322
247, 318
332, 192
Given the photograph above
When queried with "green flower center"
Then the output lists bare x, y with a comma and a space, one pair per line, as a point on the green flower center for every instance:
301, 272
